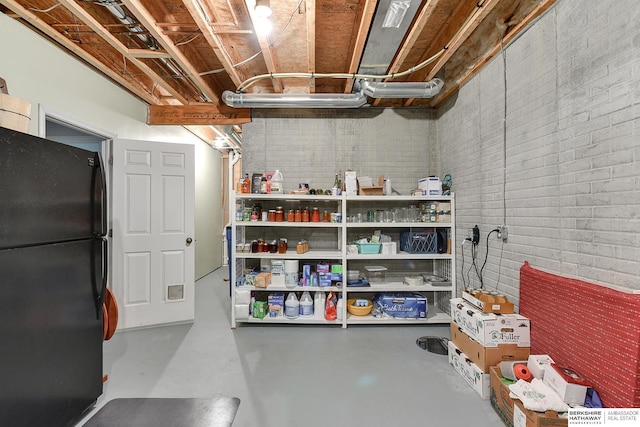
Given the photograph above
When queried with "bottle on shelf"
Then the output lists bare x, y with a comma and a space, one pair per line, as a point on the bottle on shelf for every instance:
339, 307
306, 305
336, 190
277, 183
292, 306
318, 305
246, 184
263, 185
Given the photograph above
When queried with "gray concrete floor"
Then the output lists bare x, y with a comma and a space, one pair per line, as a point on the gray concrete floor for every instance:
294, 375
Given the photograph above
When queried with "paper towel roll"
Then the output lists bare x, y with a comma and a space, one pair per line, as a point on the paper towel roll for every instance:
291, 272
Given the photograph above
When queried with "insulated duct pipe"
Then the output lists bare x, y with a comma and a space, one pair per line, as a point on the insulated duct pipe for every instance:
280, 100
402, 89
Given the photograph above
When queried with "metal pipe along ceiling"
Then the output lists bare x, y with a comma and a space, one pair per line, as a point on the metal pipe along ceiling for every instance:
278, 100
402, 89
325, 100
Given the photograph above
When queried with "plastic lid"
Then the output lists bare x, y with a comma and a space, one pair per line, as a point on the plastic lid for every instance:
375, 268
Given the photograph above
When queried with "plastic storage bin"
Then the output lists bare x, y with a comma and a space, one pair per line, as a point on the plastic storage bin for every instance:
369, 248
376, 273
419, 242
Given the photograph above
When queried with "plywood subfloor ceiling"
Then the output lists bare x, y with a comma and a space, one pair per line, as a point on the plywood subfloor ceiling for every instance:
179, 56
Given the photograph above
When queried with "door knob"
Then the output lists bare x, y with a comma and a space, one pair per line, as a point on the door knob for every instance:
189, 240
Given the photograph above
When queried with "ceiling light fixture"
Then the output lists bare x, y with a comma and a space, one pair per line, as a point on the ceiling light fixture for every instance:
262, 8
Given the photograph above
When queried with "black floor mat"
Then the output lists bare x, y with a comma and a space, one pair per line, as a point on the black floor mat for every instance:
159, 412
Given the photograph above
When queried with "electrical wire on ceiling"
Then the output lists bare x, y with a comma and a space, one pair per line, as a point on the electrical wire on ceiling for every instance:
252, 80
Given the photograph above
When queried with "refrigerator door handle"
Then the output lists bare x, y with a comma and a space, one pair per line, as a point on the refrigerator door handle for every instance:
101, 210
105, 266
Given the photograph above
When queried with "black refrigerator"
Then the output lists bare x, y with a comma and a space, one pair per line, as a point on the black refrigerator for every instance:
52, 280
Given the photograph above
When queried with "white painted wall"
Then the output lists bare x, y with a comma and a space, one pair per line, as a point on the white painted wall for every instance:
42, 74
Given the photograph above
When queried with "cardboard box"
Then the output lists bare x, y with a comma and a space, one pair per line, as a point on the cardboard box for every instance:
537, 363
486, 357
350, 183
478, 380
275, 304
489, 307
242, 311
513, 413
262, 280
570, 386
491, 329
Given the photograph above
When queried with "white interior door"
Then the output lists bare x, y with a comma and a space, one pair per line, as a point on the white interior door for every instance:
153, 224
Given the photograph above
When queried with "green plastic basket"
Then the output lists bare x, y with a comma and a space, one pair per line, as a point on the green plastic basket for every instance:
369, 248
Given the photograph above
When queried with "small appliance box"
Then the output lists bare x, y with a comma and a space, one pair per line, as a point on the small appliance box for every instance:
404, 305
570, 386
478, 380
485, 357
491, 329
513, 413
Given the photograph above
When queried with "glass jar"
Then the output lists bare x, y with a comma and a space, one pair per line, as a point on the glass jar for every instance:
272, 215
298, 215
305, 215
291, 215
273, 246
279, 214
315, 215
255, 247
282, 246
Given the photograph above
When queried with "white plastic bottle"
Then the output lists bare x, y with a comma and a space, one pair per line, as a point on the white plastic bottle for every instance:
292, 306
318, 305
306, 305
339, 307
277, 186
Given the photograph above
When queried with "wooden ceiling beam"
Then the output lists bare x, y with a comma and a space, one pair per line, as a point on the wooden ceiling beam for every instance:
268, 54
148, 21
310, 10
357, 49
100, 30
43, 27
206, 27
197, 114
513, 32
461, 36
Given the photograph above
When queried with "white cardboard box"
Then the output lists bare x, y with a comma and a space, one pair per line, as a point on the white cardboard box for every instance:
243, 296
478, 380
491, 329
242, 311
350, 183
537, 364
571, 387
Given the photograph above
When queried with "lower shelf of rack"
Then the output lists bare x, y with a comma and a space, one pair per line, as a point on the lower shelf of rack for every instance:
370, 320
296, 321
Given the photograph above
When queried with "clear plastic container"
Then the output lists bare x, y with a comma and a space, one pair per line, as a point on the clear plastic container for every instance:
277, 185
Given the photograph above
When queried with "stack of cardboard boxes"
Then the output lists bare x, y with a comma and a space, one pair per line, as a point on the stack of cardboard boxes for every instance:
483, 334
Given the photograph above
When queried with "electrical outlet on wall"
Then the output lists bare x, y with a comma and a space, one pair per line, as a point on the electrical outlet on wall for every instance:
503, 233
475, 237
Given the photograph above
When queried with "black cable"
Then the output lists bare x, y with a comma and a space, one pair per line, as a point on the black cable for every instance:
475, 255
462, 266
486, 255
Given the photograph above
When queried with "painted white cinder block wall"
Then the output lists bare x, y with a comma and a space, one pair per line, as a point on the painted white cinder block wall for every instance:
572, 149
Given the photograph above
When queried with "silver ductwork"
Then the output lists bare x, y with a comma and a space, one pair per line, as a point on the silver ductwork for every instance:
402, 89
281, 100
329, 100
